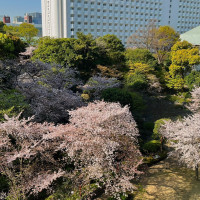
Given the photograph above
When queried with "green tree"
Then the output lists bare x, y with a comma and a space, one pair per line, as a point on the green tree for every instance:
25, 31
6, 47
111, 50
82, 52
139, 56
140, 68
10, 46
183, 57
18, 44
1, 27
59, 51
158, 40
28, 32
11, 30
87, 52
166, 37
192, 80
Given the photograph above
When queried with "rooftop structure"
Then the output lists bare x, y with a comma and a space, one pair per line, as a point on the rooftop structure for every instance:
192, 36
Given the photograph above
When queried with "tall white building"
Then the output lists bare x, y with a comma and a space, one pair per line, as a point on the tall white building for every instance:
63, 18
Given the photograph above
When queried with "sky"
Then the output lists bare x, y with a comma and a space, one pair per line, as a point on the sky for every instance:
19, 7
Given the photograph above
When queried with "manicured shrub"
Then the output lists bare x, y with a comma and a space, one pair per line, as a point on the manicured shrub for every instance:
138, 103
12, 103
193, 80
156, 131
152, 146
124, 97
117, 95
140, 55
10, 46
136, 81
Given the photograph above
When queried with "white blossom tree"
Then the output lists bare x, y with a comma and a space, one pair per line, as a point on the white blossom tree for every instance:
100, 142
184, 137
195, 104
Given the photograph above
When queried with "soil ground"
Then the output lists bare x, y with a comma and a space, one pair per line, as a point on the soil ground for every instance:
168, 181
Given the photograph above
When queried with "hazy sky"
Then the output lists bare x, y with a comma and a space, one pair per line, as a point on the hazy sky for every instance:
19, 7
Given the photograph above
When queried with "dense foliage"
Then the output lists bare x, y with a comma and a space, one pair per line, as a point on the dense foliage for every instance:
158, 40
10, 46
136, 81
76, 147
84, 52
193, 79
111, 50
132, 99
25, 31
1, 27
80, 53
12, 102
184, 57
139, 56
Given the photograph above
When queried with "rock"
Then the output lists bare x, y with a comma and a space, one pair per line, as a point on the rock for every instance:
151, 189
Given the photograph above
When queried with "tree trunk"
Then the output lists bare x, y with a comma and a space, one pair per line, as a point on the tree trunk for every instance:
197, 172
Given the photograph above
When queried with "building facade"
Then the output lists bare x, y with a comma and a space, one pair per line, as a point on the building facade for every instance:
18, 19
6, 19
36, 17
28, 19
63, 18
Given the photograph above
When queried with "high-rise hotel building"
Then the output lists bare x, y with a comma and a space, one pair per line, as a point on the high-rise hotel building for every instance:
63, 18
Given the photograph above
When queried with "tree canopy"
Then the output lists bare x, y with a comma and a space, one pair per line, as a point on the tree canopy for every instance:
158, 40
111, 48
10, 46
81, 53
183, 57
139, 56
25, 31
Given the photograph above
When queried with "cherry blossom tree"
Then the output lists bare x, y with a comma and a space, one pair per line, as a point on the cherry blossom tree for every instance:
184, 137
115, 144
195, 104
100, 143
